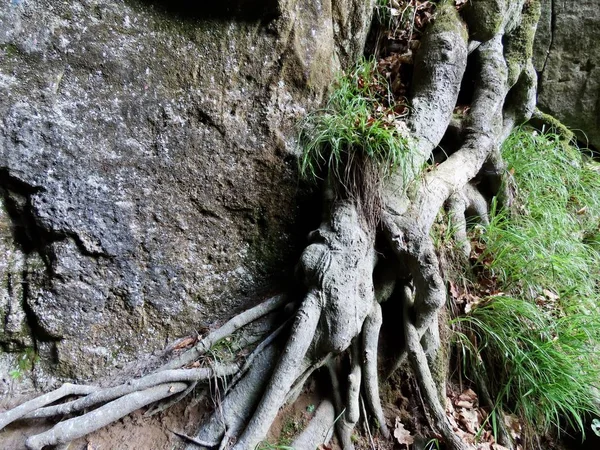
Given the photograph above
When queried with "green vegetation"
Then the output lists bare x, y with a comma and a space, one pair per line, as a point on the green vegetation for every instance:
25, 363
358, 123
534, 339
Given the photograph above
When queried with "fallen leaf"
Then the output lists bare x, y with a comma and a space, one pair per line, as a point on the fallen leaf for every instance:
468, 418
454, 291
468, 395
464, 404
514, 426
401, 434
185, 342
550, 295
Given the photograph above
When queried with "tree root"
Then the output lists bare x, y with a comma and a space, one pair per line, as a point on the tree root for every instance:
230, 327
27, 408
319, 430
80, 426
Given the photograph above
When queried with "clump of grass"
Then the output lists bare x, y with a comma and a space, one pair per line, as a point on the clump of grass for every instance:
537, 343
538, 366
547, 245
357, 138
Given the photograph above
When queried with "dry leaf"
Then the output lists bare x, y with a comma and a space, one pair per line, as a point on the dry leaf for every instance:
464, 404
454, 291
185, 342
468, 395
401, 434
468, 418
550, 295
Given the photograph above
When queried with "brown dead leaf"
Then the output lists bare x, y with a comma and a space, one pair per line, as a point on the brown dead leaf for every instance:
454, 291
185, 342
468, 395
324, 447
401, 434
464, 404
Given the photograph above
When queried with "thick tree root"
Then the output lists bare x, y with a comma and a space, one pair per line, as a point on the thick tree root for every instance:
35, 404
319, 430
80, 426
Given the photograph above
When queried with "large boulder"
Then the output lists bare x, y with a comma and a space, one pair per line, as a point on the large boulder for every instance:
567, 59
148, 182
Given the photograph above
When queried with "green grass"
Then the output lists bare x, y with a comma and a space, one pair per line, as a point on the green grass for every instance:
547, 245
358, 123
539, 366
537, 343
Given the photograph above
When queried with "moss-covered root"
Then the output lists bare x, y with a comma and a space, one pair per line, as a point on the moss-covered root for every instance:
484, 18
518, 46
439, 68
546, 122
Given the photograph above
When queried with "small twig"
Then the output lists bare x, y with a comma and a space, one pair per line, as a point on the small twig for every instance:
412, 25
366, 419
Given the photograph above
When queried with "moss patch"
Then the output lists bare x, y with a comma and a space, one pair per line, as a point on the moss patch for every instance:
518, 46
484, 18
448, 19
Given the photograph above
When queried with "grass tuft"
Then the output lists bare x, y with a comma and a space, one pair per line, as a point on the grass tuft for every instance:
358, 138
536, 340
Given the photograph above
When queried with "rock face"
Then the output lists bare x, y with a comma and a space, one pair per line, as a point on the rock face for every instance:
568, 63
148, 181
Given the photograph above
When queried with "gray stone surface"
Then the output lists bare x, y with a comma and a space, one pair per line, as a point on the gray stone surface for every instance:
567, 59
148, 181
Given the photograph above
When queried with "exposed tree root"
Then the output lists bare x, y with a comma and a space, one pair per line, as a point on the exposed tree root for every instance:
337, 323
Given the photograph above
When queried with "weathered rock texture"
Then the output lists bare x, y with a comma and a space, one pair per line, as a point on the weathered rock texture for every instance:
568, 63
147, 176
